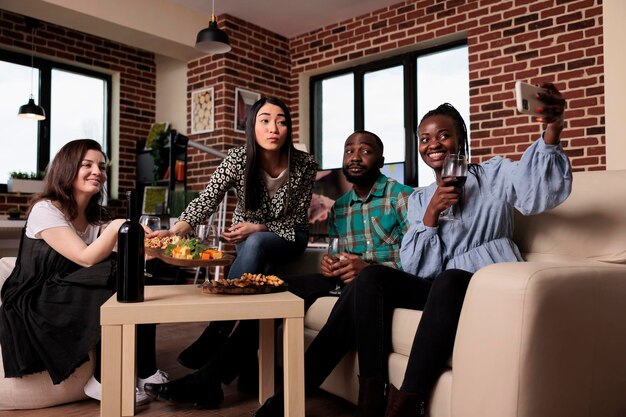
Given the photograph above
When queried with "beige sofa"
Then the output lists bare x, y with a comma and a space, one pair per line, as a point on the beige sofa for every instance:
543, 338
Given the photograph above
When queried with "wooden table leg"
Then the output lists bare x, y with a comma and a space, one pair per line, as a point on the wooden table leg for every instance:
266, 359
128, 369
293, 366
111, 374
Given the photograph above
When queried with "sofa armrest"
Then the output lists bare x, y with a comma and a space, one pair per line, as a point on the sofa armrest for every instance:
542, 339
307, 263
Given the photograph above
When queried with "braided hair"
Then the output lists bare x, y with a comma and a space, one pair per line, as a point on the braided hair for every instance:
447, 109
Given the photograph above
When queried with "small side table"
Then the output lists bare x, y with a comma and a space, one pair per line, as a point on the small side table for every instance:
186, 303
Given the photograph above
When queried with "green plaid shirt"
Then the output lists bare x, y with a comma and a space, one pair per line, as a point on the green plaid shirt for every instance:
374, 226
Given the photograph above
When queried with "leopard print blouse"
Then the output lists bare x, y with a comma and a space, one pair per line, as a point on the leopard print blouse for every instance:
230, 174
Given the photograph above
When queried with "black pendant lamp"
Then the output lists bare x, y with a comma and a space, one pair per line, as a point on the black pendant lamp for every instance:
212, 40
31, 110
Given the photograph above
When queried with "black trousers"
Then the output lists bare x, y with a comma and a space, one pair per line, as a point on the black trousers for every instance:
309, 287
146, 352
361, 320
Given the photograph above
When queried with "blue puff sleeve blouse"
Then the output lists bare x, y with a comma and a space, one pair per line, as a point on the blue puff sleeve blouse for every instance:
540, 181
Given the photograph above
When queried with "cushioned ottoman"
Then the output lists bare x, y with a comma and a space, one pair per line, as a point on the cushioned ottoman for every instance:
37, 390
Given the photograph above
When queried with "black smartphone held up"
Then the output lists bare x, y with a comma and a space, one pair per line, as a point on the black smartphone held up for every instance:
526, 98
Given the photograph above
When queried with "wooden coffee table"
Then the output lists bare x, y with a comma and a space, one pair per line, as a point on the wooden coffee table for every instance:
187, 303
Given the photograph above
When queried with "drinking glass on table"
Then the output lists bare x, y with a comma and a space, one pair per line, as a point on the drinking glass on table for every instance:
153, 223
336, 245
454, 166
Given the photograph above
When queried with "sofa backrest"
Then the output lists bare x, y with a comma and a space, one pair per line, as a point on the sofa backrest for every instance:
589, 225
6, 266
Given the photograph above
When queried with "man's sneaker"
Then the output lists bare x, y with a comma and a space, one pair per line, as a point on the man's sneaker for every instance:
159, 377
93, 389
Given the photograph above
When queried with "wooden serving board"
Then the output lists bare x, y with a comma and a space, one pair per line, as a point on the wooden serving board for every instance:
160, 253
252, 289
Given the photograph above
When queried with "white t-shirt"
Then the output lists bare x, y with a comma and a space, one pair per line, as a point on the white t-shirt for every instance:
273, 184
44, 215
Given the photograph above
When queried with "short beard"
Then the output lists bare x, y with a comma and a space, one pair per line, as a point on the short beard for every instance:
369, 177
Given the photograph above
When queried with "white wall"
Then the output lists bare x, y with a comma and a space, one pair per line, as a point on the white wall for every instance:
614, 16
171, 93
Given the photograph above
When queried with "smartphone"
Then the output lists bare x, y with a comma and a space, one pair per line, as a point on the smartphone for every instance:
526, 98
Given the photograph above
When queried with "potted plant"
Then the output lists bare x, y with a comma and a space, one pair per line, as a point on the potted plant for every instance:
14, 213
25, 182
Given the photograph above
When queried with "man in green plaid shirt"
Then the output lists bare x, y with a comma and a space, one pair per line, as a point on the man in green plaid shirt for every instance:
370, 218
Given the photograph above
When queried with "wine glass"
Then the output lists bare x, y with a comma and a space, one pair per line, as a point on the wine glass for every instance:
454, 166
153, 223
207, 235
336, 245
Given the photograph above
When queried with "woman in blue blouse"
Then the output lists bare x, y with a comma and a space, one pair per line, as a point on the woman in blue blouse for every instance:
438, 259
445, 254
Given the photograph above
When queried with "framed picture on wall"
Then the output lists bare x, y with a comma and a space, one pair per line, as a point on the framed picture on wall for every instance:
244, 99
155, 130
202, 110
154, 200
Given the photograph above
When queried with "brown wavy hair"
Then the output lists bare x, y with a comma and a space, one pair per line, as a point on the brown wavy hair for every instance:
59, 180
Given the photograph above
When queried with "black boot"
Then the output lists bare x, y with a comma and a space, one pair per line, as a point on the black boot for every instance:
188, 389
372, 397
404, 404
248, 381
208, 344
273, 407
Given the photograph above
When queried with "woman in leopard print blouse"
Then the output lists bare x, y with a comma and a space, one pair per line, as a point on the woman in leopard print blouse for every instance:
273, 182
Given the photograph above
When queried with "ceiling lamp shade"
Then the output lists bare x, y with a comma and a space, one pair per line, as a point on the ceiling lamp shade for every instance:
212, 40
31, 110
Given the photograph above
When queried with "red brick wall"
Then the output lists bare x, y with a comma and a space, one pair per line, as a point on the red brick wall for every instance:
137, 71
258, 62
559, 40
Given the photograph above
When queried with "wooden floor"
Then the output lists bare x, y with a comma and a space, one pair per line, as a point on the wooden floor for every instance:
171, 339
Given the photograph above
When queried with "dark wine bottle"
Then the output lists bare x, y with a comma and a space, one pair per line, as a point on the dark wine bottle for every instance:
130, 255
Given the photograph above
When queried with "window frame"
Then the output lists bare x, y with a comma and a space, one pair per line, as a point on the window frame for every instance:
45, 66
408, 61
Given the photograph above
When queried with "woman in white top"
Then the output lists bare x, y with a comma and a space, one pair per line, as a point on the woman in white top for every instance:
65, 270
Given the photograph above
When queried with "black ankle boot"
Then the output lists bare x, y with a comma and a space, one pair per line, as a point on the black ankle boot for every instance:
372, 397
208, 344
188, 389
273, 407
404, 404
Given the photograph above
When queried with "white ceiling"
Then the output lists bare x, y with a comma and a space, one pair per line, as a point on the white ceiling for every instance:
289, 17
169, 27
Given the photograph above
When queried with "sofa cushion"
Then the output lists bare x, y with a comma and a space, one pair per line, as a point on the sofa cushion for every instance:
37, 390
6, 266
589, 225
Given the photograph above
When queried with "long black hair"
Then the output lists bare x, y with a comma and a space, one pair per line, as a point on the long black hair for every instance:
252, 175
447, 109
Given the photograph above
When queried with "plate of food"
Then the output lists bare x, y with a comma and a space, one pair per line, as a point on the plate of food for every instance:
247, 284
175, 250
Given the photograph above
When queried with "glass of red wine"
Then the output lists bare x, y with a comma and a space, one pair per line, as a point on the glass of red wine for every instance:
454, 166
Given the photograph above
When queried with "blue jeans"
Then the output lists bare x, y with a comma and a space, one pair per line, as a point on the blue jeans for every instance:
260, 251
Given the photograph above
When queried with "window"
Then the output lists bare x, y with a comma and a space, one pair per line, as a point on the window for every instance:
77, 105
388, 97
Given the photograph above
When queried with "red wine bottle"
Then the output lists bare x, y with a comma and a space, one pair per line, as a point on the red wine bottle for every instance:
130, 255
